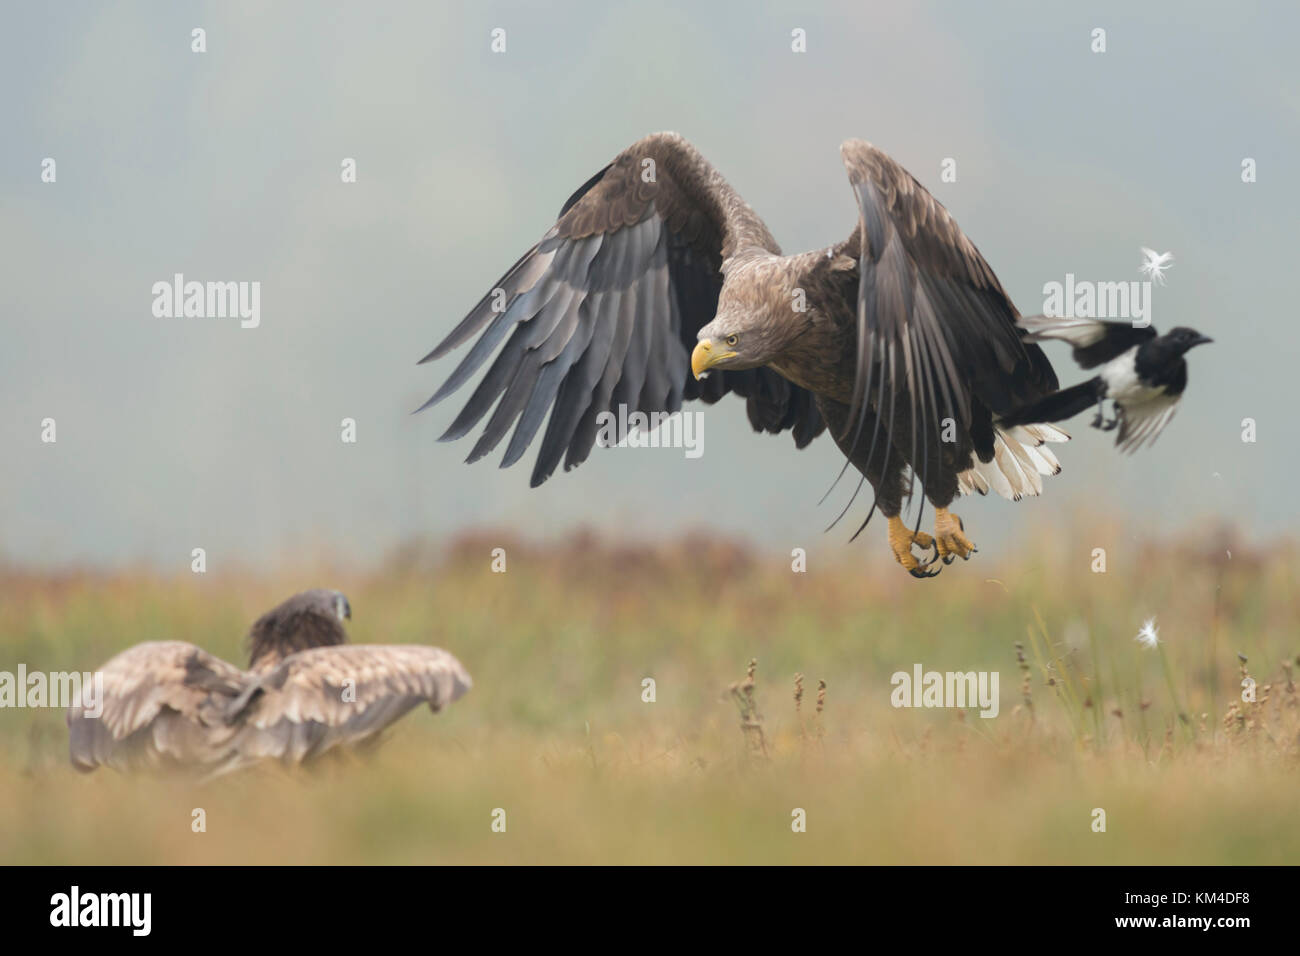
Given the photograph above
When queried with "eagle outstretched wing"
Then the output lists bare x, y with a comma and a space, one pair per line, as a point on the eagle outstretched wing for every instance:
934, 324
604, 311
162, 706
319, 699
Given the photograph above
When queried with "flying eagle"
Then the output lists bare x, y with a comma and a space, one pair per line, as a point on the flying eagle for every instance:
900, 340
170, 704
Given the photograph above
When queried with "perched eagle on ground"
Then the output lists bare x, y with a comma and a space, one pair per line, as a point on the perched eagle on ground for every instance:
170, 704
900, 340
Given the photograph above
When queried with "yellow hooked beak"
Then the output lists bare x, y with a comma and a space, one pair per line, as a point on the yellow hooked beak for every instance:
706, 356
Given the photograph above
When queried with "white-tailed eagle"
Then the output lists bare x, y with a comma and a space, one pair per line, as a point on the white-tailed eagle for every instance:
900, 340
170, 704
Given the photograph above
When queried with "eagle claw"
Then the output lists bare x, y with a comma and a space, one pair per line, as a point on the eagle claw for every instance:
950, 536
901, 541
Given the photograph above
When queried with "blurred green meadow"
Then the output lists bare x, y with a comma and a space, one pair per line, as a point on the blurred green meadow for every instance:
557, 735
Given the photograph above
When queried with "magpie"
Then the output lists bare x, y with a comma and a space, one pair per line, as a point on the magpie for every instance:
1142, 373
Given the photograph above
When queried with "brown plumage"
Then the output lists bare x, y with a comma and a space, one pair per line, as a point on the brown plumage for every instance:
170, 704
310, 619
900, 339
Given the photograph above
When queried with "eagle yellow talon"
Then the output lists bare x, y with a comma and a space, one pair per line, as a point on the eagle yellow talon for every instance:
901, 539
949, 537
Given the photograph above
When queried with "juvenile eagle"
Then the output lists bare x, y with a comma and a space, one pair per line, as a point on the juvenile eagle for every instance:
170, 704
900, 339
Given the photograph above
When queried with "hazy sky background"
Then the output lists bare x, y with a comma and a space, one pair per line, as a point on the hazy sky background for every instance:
179, 433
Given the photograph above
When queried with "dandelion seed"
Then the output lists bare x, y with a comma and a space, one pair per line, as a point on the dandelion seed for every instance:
1149, 636
1155, 264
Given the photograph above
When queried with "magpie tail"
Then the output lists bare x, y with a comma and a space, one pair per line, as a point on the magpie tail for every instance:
1058, 406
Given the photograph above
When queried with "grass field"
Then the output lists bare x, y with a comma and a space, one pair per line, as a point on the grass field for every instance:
556, 733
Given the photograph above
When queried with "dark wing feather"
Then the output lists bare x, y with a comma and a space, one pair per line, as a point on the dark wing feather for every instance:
322, 698
605, 309
934, 323
162, 706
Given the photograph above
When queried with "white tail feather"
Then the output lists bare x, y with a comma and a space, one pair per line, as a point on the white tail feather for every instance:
1020, 459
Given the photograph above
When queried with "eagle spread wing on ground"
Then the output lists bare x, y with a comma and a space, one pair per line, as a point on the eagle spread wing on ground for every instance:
326, 697
899, 340
170, 704
162, 704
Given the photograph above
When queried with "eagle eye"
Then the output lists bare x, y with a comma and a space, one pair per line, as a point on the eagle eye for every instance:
732, 339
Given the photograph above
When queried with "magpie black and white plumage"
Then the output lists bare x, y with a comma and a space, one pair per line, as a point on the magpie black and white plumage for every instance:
1143, 373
